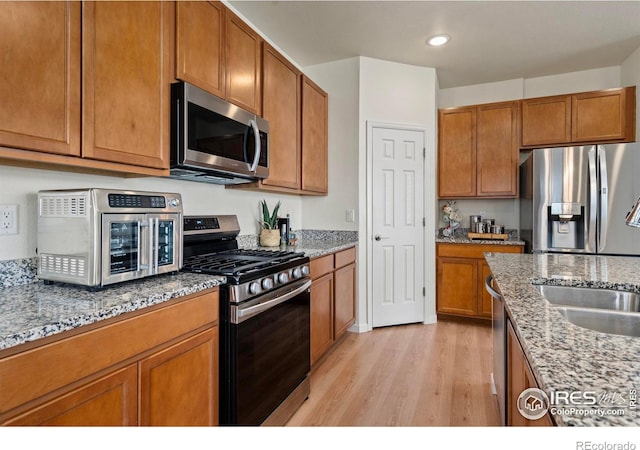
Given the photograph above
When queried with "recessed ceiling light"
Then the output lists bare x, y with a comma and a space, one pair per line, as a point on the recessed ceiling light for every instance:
438, 40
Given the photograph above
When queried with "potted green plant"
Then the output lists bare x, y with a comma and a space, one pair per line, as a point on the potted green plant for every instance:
270, 234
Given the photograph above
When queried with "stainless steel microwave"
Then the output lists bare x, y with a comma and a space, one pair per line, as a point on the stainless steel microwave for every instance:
97, 237
215, 141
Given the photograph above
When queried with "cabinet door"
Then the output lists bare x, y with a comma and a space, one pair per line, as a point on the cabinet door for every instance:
125, 101
321, 316
281, 107
497, 150
243, 64
179, 385
457, 285
601, 116
484, 298
457, 152
546, 121
200, 45
109, 401
40, 73
345, 299
519, 378
314, 138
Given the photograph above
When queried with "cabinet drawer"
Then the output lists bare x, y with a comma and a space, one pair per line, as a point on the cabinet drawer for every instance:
345, 257
321, 266
474, 250
70, 359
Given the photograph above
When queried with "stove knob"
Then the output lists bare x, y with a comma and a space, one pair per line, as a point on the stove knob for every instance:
305, 270
254, 288
283, 278
297, 273
267, 284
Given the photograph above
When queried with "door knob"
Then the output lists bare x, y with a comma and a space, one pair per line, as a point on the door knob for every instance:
377, 237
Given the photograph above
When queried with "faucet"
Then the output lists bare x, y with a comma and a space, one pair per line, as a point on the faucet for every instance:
633, 216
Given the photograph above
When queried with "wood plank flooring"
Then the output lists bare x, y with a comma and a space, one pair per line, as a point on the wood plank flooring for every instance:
408, 375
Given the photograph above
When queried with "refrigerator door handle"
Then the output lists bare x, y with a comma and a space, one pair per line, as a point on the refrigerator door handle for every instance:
604, 197
593, 199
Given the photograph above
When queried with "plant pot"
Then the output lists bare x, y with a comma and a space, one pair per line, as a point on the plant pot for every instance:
270, 238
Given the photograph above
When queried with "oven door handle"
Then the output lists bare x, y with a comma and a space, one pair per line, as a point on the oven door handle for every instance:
239, 315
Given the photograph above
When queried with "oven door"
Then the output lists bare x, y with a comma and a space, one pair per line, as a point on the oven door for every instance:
265, 355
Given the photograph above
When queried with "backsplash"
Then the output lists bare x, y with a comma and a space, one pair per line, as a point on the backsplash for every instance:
23, 271
18, 271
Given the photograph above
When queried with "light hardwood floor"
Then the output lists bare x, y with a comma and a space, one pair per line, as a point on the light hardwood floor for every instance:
409, 375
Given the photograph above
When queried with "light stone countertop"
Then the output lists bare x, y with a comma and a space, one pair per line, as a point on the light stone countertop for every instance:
33, 311
563, 356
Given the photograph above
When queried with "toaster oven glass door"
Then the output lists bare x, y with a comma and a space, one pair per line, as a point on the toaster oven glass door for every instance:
139, 245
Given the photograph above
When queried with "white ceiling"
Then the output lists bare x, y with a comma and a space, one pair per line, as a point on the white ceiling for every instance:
491, 40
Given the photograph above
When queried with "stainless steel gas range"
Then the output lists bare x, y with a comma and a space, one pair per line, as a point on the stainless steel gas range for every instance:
264, 322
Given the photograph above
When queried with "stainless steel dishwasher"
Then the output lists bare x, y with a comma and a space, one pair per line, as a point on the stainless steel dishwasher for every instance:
498, 334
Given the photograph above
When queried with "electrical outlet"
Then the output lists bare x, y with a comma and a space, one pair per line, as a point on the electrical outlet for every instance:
8, 219
483, 213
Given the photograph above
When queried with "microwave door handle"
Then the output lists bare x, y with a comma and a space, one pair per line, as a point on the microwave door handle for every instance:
256, 134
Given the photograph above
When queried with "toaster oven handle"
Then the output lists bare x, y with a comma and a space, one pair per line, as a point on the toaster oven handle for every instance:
258, 150
141, 225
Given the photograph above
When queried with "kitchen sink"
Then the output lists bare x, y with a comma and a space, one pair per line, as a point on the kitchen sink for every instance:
591, 298
612, 322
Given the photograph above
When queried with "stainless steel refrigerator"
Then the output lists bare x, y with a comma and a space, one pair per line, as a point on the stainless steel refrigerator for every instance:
575, 199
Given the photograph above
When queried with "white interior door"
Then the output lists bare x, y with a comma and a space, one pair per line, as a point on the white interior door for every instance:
398, 226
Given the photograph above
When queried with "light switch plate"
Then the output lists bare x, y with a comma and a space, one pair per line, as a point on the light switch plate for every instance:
8, 219
350, 215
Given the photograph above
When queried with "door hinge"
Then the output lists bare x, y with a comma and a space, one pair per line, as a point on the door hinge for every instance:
424, 291
424, 222
424, 152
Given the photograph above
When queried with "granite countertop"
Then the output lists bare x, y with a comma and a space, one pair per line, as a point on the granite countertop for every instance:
460, 237
313, 245
466, 240
566, 357
33, 311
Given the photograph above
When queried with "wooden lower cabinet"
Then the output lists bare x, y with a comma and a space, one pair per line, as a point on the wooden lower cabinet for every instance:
144, 368
519, 378
461, 272
321, 316
184, 376
109, 401
345, 294
333, 294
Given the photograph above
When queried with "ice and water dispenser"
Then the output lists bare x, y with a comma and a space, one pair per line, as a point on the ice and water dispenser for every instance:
566, 226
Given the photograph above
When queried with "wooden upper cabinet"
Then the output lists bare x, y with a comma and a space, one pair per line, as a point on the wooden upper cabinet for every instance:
200, 45
586, 117
243, 64
40, 73
281, 108
315, 110
546, 121
457, 152
126, 80
497, 149
603, 115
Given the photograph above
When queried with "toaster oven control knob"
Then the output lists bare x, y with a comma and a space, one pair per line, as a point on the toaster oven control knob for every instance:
305, 270
174, 202
267, 284
297, 273
254, 288
283, 278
